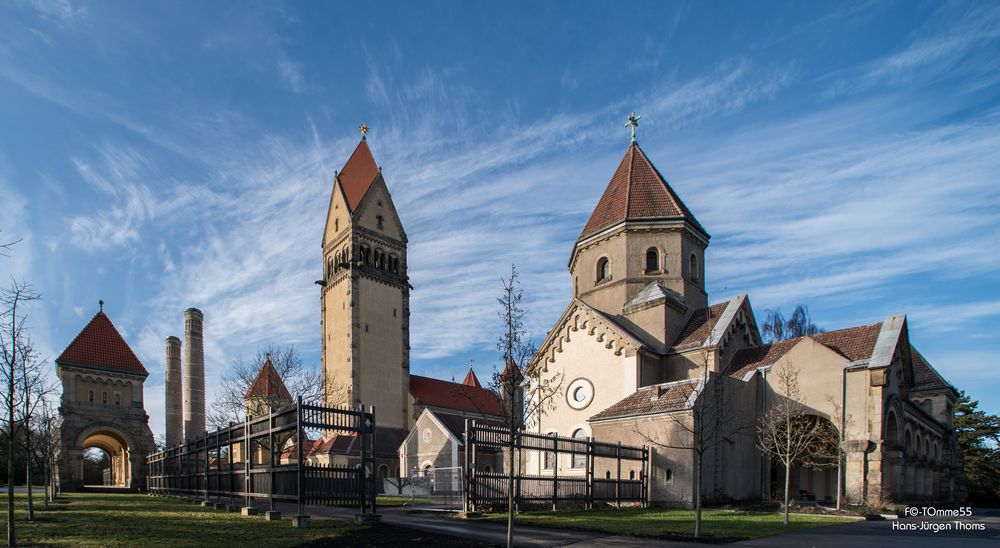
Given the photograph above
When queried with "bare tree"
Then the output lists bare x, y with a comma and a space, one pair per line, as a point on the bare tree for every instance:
788, 434
13, 341
230, 405
35, 385
799, 324
515, 378
712, 422
48, 445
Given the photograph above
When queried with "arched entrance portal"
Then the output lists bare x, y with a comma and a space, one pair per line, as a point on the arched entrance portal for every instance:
119, 470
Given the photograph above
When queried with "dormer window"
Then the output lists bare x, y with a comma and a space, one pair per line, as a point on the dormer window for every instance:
652, 260
603, 271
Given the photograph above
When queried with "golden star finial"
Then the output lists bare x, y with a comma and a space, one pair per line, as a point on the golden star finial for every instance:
363, 128
633, 122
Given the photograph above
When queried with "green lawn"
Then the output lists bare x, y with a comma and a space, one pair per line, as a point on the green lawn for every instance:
672, 523
393, 500
87, 519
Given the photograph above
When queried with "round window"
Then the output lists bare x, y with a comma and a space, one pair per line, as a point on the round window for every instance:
580, 393
427, 435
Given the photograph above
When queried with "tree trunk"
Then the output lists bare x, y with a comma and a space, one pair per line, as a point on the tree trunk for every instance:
11, 540
31, 507
788, 477
697, 496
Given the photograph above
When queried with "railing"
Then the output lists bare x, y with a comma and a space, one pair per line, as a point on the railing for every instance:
264, 458
489, 490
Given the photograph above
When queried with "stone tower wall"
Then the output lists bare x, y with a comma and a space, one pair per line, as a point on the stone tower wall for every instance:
194, 374
174, 397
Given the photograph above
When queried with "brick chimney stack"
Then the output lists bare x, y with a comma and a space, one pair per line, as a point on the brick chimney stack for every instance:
174, 397
194, 374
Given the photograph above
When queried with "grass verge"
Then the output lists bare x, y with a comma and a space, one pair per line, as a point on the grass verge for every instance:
672, 523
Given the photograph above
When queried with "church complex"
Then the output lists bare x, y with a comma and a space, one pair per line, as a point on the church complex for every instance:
640, 356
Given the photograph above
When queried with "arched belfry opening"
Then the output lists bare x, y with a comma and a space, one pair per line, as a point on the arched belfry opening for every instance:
101, 411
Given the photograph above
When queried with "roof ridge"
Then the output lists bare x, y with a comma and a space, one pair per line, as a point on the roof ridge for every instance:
628, 178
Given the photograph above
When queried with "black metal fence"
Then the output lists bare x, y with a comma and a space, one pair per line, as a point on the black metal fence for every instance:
266, 457
488, 490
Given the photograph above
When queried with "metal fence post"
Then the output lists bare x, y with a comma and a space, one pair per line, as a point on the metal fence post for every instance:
300, 469
555, 472
618, 482
270, 450
247, 457
362, 431
468, 470
373, 476
589, 474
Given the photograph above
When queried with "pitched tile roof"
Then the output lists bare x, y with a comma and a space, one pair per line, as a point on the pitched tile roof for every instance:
100, 345
636, 191
268, 384
358, 174
699, 326
661, 398
925, 377
453, 395
456, 423
854, 343
471, 380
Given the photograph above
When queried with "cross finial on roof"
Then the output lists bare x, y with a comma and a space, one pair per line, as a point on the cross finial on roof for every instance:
633, 122
471, 362
363, 128
100, 303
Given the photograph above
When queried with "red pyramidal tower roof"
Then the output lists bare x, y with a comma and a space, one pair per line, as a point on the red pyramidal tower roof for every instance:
268, 384
101, 346
471, 380
637, 191
358, 174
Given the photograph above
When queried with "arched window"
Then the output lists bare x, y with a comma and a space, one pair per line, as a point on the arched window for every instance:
652, 260
909, 443
90, 396
104, 398
487, 469
379, 221
336, 225
693, 268
383, 471
393, 263
365, 254
549, 460
631, 474
426, 471
379, 259
602, 269
118, 398
607, 475
580, 459
669, 477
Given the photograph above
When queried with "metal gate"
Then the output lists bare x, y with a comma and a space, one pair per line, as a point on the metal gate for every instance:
263, 458
582, 488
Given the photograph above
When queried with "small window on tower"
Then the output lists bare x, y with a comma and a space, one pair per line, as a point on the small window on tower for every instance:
90, 396
104, 398
336, 225
693, 268
602, 269
118, 398
652, 260
379, 220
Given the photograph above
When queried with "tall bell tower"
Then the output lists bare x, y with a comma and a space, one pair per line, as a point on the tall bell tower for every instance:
365, 294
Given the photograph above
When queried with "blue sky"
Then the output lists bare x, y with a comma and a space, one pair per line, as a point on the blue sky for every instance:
161, 156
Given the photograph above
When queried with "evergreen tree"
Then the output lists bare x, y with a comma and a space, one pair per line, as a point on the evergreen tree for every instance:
979, 437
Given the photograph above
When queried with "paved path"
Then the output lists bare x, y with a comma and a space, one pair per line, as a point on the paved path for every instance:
859, 533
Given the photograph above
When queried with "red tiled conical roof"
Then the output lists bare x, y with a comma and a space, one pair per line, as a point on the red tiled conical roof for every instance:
471, 379
358, 175
637, 191
101, 346
268, 384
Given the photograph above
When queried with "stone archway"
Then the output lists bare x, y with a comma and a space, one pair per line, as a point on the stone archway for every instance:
114, 444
